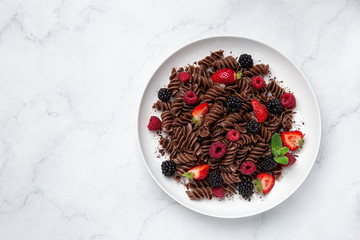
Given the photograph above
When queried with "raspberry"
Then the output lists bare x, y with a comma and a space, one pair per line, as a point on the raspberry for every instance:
184, 77
164, 94
215, 179
257, 82
288, 100
154, 123
247, 167
233, 135
190, 98
218, 191
291, 158
217, 150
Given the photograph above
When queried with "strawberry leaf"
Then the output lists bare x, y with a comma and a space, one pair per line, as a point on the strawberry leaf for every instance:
239, 75
188, 175
283, 160
276, 141
258, 185
197, 122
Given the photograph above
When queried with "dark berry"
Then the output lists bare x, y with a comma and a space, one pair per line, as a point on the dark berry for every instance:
233, 104
245, 61
252, 126
246, 188
268, 164
275, 106
215, 179
168, 168
164, 94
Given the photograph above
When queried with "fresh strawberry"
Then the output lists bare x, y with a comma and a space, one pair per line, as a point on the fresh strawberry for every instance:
264, 182
199, 113
225, 76
261, 112
293, 140
198, 172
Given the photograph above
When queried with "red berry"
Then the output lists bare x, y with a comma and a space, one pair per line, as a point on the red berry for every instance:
257, 82
184, 77
190, 98
288, 100
224, 75
293, 139
233, 135
154, 123
198, 114
261, 112
291, 158
264, 182
199, 172
247, 167
217, 150
218, 191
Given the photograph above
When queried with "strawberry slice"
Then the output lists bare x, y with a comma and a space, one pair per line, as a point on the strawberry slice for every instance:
293, 139
264, 182
198, 172
261, 112
199, 113
225, 76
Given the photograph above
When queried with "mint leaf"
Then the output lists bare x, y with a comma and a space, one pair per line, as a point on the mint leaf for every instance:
283, 160
276, 151
283, 151
276, 141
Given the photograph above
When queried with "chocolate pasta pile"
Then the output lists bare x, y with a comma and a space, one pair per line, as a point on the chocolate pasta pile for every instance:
188, 145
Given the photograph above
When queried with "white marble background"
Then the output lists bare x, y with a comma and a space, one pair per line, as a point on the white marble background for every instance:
71, 77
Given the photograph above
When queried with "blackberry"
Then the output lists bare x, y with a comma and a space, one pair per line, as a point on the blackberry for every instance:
215, 179
233, 104
168, 168
252, 126
268, 164
245, 61
164, 94
246, 188
275, 106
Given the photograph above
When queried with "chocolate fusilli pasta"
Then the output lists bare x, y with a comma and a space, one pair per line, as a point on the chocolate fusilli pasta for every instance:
188, 143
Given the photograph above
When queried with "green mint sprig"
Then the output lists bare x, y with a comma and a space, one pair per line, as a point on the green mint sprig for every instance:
277, 150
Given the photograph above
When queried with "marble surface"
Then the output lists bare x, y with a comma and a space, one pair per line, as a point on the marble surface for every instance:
72, 74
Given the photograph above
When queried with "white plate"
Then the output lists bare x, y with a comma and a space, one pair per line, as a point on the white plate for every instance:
307, 110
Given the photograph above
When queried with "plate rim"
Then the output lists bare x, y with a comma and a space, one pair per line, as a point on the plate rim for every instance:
255, 212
